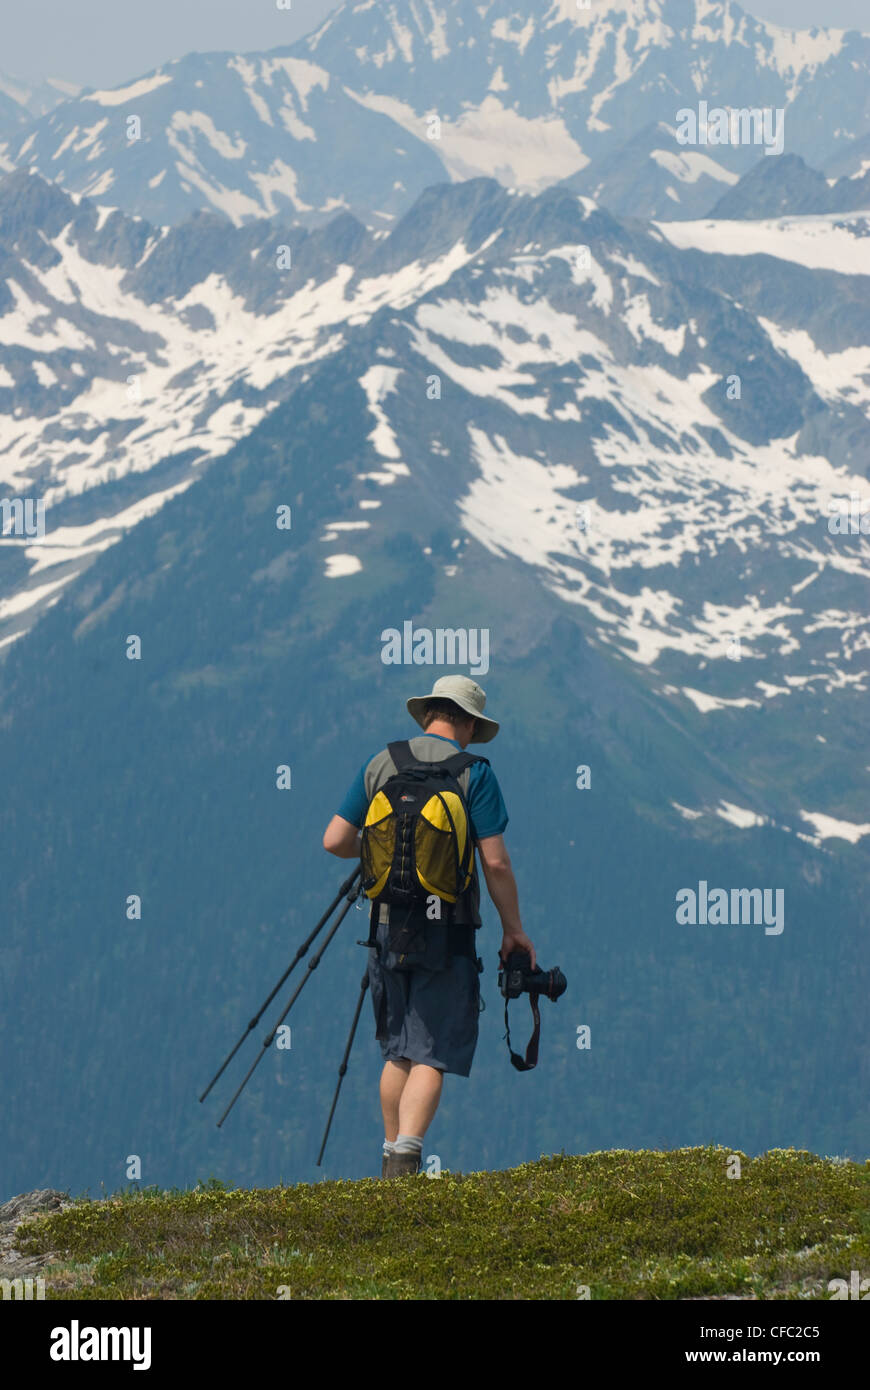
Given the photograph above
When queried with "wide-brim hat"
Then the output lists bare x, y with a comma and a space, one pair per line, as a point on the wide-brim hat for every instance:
465, 693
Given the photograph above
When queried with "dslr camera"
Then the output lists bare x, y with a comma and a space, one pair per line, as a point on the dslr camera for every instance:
517, 977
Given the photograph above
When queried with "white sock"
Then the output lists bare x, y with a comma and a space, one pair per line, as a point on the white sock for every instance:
408, 1144
389, 1147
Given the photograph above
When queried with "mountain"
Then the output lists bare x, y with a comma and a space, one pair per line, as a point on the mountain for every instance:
787, 186
650, 176
386, 98
36, 98
611, 447
654, 359
247, 136
130, 355
133, 356
21, 101
592, 75
852, 161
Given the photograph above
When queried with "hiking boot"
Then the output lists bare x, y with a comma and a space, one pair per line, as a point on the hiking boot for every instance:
384, 1166
402, 1165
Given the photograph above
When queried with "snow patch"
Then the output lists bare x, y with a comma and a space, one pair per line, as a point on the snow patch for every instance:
707, 703
192, 123
819, 242
638, 319
828, 828
492, 141
118, 96
339, 566
378, 382
690, 165
305, 76
739, 816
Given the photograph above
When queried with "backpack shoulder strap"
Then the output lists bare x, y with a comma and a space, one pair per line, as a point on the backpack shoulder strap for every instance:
458, 762
401, 754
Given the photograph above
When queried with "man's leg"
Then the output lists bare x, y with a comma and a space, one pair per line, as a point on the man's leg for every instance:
418, 1099
409, 1109
410, 1092
393, 1079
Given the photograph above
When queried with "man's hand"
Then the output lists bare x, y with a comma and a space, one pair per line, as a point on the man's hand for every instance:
516, 941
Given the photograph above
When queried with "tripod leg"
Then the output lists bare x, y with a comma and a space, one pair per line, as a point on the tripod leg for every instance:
343, 1068
312, 965
343, 890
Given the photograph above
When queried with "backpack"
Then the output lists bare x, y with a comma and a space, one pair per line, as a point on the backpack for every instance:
417, 839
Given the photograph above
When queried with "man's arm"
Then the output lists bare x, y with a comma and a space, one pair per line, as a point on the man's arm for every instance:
341, 838
502, 887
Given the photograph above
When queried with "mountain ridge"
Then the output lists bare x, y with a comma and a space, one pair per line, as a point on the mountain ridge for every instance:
537, 104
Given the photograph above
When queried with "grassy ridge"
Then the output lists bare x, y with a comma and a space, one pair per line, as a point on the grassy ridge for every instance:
628, 1225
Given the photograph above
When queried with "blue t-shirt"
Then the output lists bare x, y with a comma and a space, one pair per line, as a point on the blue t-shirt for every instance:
485, 802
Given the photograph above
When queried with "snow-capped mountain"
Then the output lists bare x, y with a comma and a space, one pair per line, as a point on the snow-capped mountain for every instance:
387, 97
631, 452
651, 176
248, 136
611, 448
654, 423
22, 101
36, 98
524, 93
130, 355
698, 389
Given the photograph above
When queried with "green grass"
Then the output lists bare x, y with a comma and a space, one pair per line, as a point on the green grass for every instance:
628, 1225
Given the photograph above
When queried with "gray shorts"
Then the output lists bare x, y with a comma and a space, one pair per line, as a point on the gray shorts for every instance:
426, 1016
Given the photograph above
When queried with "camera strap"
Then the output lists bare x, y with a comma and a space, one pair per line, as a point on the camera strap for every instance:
531, 1057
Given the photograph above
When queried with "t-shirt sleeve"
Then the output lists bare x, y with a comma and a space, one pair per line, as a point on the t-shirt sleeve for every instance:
485, 802
355, 805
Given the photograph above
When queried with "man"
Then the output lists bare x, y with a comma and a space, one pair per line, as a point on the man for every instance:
427, 1019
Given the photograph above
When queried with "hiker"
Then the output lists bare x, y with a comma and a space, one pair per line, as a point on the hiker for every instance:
424, 972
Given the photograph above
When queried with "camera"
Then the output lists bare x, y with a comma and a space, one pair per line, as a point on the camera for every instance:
516, 977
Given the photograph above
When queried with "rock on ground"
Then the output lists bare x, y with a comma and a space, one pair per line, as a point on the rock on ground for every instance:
13, 1264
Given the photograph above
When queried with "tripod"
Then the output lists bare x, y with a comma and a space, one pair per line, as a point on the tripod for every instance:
350, 890
343, 1068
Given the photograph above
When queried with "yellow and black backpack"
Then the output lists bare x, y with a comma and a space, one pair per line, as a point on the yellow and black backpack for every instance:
417, 839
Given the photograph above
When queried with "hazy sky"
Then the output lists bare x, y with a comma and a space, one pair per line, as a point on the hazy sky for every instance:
101, 43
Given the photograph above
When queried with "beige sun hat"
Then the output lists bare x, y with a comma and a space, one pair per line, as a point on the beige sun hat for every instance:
465, 693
